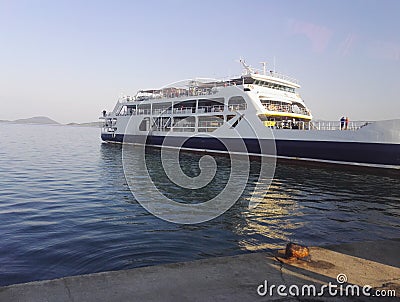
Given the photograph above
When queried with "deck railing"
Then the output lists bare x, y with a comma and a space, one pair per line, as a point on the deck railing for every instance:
316, 125
274, 74
183, 110
333, 125
170, 94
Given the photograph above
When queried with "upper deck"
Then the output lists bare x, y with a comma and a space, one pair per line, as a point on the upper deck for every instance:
203, 86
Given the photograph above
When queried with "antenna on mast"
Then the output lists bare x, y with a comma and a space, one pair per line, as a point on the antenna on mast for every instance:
264, 65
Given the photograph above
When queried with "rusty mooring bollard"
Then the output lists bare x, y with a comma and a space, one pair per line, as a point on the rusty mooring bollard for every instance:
297, 251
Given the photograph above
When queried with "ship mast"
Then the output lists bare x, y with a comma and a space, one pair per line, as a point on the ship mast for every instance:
247, 68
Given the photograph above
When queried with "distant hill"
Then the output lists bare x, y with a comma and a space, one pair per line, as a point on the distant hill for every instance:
42, 120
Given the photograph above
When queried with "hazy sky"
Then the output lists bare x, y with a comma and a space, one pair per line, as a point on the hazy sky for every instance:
69, 60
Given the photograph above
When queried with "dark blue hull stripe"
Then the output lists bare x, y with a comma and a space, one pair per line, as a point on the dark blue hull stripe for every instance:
351, 152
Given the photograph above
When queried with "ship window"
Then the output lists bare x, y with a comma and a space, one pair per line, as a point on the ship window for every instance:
247, 80
265, 102
210, 123
162, 123
236, 100
278, 87
131, 109
144, 109
211, 105
229, 117
162, 108
184, 124
237, 103
185, 107
145, 124
122, 111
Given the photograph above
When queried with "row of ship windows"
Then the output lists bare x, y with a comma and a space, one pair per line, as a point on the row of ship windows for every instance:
187, 123
182, 110
297, 108
185, 107
274, 86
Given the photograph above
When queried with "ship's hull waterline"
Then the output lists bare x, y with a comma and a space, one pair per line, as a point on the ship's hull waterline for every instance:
379, 155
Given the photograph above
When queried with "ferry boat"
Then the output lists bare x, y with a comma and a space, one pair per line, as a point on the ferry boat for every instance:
257, 108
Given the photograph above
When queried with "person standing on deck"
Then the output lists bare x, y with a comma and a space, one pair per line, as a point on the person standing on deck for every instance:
346, 123
342, 120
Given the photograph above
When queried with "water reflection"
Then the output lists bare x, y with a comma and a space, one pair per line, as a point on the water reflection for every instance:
324, 206
305, 204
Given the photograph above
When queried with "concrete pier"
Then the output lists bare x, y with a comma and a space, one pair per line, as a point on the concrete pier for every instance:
237, 278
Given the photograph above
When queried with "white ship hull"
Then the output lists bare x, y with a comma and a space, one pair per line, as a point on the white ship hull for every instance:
374, 145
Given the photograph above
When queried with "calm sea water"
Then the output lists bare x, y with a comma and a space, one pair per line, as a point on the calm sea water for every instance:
66, 209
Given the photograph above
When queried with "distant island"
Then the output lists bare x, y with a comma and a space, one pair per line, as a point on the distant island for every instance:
44, 120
